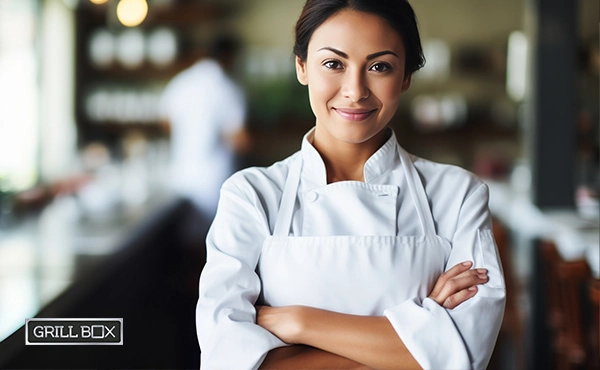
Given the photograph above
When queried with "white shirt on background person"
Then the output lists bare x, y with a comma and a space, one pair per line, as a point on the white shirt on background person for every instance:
203, 106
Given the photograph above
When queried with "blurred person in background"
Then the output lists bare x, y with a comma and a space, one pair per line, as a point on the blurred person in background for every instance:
205, 111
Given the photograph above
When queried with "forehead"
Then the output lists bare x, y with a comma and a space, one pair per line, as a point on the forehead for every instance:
350, 29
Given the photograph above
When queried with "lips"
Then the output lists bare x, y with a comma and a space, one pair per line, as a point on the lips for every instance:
356, 115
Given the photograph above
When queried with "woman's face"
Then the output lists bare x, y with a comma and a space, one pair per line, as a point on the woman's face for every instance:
355, 74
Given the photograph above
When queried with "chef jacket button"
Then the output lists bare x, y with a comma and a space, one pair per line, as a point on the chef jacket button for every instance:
312, 196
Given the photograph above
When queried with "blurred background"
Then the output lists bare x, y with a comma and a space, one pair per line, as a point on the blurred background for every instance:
91, 226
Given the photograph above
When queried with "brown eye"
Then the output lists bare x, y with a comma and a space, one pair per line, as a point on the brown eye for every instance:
380, 67
332, 64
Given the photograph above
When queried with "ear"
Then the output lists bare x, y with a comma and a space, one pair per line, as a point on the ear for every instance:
301, 71
406, 83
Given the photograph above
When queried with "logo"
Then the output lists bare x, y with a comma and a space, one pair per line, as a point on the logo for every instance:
73, 332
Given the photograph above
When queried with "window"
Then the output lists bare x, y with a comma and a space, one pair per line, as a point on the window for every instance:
18, 94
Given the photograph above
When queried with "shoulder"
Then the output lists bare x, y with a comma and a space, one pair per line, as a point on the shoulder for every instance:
456, 197
261, 184
182, 81
256, 191
203, 69
447, 180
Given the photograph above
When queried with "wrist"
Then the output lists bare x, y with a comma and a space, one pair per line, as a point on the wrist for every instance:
307, 330
300, 320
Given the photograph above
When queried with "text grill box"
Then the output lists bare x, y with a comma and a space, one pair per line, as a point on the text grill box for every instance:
74, 331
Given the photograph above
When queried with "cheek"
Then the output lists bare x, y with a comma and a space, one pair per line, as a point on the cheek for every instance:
321, 89
390, 93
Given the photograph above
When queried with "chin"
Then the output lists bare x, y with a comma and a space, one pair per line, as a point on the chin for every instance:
354, 136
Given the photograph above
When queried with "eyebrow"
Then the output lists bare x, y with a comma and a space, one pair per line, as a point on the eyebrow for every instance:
369, 57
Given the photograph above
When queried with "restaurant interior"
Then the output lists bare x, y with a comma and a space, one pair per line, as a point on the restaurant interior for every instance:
91, 228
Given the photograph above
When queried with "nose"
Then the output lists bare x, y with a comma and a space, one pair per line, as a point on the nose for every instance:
355, 86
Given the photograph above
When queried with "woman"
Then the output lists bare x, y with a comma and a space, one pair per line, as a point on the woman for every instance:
351, 252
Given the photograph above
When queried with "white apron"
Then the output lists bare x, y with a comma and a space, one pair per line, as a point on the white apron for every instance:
352, 274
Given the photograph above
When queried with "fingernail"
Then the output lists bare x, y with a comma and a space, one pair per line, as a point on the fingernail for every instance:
472, 288
482, 276
467, 263
482, 271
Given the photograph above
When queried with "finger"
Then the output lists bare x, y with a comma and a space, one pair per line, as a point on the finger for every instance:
449, 274
460, 297
471, 274
462, 281
457, 269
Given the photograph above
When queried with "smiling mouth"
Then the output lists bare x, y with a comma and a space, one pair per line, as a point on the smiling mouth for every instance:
354, 114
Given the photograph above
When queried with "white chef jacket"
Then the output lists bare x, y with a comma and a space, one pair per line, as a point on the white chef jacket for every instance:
438, 338
203, 106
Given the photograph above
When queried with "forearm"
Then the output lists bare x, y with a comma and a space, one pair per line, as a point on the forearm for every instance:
366, 339
305, 357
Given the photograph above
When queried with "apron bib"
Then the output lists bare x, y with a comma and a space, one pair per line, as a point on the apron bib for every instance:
360, 274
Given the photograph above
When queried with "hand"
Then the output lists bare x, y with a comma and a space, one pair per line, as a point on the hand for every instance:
458, 284
283, 322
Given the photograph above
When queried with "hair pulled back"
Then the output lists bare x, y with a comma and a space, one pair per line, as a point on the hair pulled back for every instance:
398, 13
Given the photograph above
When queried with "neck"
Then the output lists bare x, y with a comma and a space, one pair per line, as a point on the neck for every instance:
346, 161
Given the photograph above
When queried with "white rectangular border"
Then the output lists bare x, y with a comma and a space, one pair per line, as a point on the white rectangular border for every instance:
27, 343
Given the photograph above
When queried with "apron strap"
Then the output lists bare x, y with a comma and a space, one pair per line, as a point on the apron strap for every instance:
417, 191
288, 199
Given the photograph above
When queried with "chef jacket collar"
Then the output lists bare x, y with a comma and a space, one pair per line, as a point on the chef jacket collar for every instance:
380, 162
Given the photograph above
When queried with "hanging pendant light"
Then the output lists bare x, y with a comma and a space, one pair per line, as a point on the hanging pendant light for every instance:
132, 13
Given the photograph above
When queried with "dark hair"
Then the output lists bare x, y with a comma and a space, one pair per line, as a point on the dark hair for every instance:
398, 13
223, 46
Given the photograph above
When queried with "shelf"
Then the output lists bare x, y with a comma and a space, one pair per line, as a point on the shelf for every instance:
120, 127
146, 71
189, 20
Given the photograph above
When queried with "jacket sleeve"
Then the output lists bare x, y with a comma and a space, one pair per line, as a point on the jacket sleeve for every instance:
229, 286
464, 337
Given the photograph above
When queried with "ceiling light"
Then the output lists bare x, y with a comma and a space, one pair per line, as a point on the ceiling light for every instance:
132, 12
